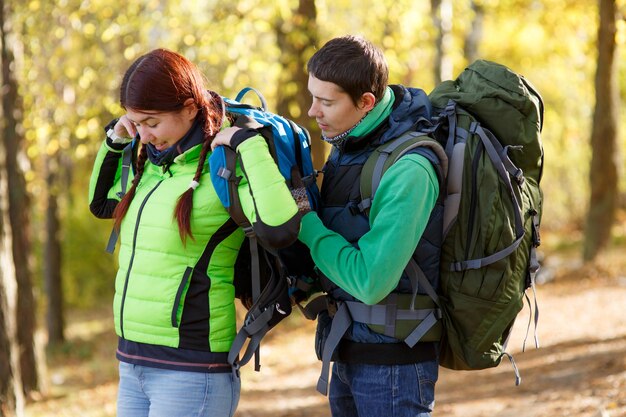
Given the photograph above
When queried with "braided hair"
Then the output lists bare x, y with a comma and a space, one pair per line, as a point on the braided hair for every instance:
162, 81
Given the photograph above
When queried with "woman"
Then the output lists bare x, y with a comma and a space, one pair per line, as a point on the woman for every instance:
174, 298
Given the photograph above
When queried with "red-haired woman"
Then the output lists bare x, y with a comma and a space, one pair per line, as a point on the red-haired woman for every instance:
174, 298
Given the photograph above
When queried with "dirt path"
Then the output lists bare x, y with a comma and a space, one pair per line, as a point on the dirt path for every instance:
579, 369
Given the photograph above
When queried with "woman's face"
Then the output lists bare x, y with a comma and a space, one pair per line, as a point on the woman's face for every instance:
162, 129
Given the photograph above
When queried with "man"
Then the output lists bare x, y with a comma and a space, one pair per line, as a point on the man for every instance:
362, 257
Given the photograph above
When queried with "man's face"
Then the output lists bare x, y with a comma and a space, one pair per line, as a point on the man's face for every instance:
333, 109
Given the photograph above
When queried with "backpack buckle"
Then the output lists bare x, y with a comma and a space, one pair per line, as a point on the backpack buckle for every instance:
224, 173
354, 208
248, 231
362, 206
536, 236
457, 267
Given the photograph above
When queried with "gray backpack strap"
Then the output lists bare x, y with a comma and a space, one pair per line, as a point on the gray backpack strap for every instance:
533, 269
253, 328
497, 154
340, 324
127, 159
388, 314
388, 154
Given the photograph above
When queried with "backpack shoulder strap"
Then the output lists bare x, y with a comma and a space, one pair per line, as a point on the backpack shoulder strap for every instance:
229, 173
387, 154
127, 165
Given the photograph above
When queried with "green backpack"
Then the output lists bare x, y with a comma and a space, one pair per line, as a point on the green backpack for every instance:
489, 123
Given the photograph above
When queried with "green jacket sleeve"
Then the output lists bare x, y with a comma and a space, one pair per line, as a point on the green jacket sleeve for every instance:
398, 216
265, 197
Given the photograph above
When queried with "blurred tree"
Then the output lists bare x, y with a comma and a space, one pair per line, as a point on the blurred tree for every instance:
11, 391
474, 35
12, 136
603, 174
297, 38
442, 14
53, 254
10, 381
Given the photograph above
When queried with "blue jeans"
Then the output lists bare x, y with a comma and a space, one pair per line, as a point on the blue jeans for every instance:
153, 392
383, 390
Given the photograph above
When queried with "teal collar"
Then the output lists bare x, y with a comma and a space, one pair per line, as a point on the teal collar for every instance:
380, 112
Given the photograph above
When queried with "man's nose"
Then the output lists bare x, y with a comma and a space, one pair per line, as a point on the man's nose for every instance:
313, 110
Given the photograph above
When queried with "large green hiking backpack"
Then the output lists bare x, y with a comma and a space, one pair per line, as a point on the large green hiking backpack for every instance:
489, 122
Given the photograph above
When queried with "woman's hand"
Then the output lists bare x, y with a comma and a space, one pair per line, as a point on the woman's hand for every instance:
224, 136
123, 132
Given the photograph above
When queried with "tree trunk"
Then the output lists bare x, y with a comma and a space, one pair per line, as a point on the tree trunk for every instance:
297, 38
52, 258
603, 174
7, 390
7, 386
474, 36
441, 14
11, 390
18, 210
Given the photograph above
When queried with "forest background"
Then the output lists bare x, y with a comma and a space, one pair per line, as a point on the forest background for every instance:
62, 63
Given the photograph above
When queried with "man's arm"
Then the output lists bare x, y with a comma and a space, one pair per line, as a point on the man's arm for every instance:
398, 217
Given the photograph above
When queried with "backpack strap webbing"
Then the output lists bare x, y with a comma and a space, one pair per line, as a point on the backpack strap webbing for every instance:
532, 275
340, 324
229, 173
253, 330
270, 307
257, 320
387, 154
386, 316
505, 168
127, 162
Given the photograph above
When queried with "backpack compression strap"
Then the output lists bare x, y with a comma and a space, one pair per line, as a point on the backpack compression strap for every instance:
387, 314
506, 169
127, 158
257, 320
235, 210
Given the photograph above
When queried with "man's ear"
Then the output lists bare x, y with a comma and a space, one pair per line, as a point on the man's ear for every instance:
367, 102
190, 108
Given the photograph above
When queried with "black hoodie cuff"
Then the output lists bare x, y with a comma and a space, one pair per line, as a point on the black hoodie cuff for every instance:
242, 135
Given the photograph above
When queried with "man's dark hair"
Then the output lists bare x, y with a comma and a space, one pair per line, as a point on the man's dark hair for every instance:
354, 64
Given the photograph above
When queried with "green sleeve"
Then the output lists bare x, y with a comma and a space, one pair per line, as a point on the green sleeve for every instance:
265, 197
400, 211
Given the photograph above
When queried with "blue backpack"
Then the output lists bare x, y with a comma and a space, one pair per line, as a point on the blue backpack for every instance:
262, 279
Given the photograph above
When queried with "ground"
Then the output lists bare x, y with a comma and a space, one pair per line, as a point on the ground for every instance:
579, 369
